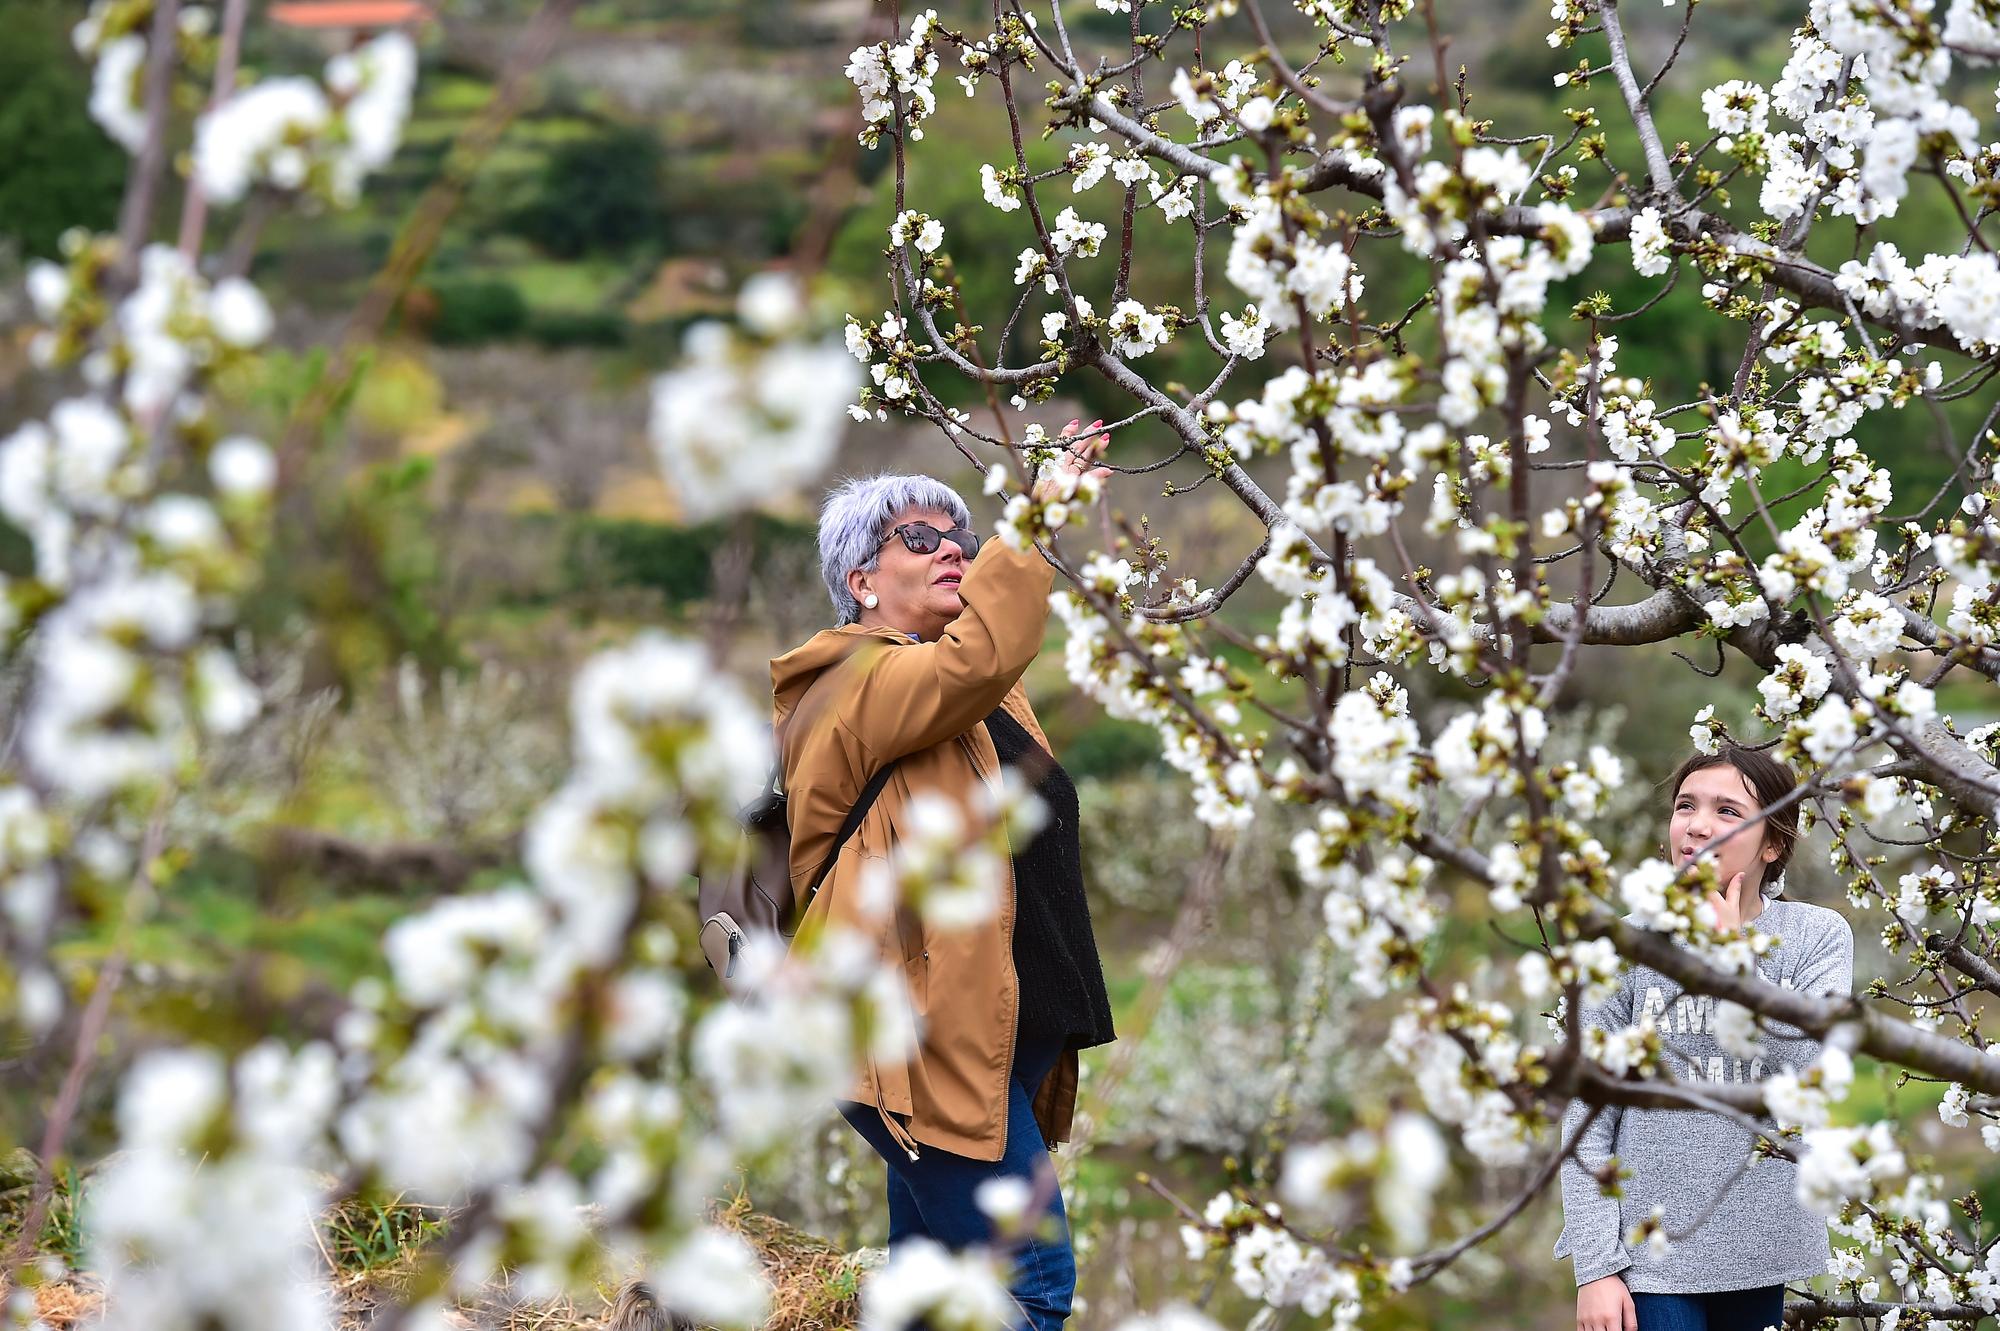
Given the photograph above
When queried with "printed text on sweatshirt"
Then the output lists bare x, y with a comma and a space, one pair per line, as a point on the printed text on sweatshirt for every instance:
1686, 1162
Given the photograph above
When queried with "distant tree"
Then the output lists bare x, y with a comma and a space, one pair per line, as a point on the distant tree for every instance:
61, 171
598, 195
546, 410
477, 311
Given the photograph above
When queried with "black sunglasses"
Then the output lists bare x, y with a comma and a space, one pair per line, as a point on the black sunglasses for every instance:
923, 539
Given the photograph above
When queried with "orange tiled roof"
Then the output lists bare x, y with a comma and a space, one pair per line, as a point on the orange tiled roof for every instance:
349, 13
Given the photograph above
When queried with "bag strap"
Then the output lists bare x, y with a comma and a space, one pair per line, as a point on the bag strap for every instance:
862, 803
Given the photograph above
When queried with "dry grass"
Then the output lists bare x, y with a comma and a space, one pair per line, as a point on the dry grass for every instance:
814, 1286
495, 1308
373, 1250
64, 1304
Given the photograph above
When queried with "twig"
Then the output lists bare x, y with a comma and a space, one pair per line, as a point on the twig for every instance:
89, 1033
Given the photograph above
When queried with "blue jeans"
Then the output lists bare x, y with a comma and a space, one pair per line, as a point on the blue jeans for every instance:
1733, 1310
932, 1196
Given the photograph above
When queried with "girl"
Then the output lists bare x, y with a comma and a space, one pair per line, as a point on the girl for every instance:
1727, 1271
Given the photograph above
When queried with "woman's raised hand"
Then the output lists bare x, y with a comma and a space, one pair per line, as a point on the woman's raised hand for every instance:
1059, 481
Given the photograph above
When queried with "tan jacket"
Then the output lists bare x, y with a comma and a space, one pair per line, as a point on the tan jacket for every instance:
846, 702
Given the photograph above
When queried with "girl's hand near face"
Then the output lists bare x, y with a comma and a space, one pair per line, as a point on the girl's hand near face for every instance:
1605, 1305
1075, 461
1728, 905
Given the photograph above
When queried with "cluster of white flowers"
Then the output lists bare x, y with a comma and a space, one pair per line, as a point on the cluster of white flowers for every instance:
1459, 1091
1848, 1164
1055, 322
741, 423
115, 90
132, 593
1586, 786
114, 36
1801, 677
1071, 237
1476, 751
1405, 1162
1223, 769
1013, 38
1283, 268
291, 133
121, 623
1269, 1264
1245, 335
121, 631
1652, 248
1792, 184
171, 327
1632, 427
950, 862
1026, 518
1377, 917
101, 723
1960, 293
1136, 330
894, 80
1632, 526
1089, 162
998, 190
1318, 619
1175, 201
1433, 217
1076, 237
710, 1278
1856, 143
1644, 892
166, 1197
1736, 107
1206, 96
925, 1285
925, 231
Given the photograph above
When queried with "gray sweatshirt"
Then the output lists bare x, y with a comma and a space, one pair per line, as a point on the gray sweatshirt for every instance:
1687, 1160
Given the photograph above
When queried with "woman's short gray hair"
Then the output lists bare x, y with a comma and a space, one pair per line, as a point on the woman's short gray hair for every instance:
856, 517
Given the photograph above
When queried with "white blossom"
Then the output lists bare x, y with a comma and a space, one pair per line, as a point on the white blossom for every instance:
1244, 336
1651, 247
946, 1291
115, 93
1136, 330
713, 1278
734, 429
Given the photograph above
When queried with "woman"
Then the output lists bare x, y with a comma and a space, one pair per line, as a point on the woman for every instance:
924, 672
1729, 1272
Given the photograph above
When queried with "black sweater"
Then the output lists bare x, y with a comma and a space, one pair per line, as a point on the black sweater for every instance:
1055, 954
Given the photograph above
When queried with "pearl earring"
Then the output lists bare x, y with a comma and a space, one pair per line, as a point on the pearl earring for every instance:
871, 600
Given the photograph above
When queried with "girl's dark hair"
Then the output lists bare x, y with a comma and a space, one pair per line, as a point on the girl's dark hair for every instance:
1769, 780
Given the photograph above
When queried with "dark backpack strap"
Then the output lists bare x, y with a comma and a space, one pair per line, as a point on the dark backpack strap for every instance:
862, 803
